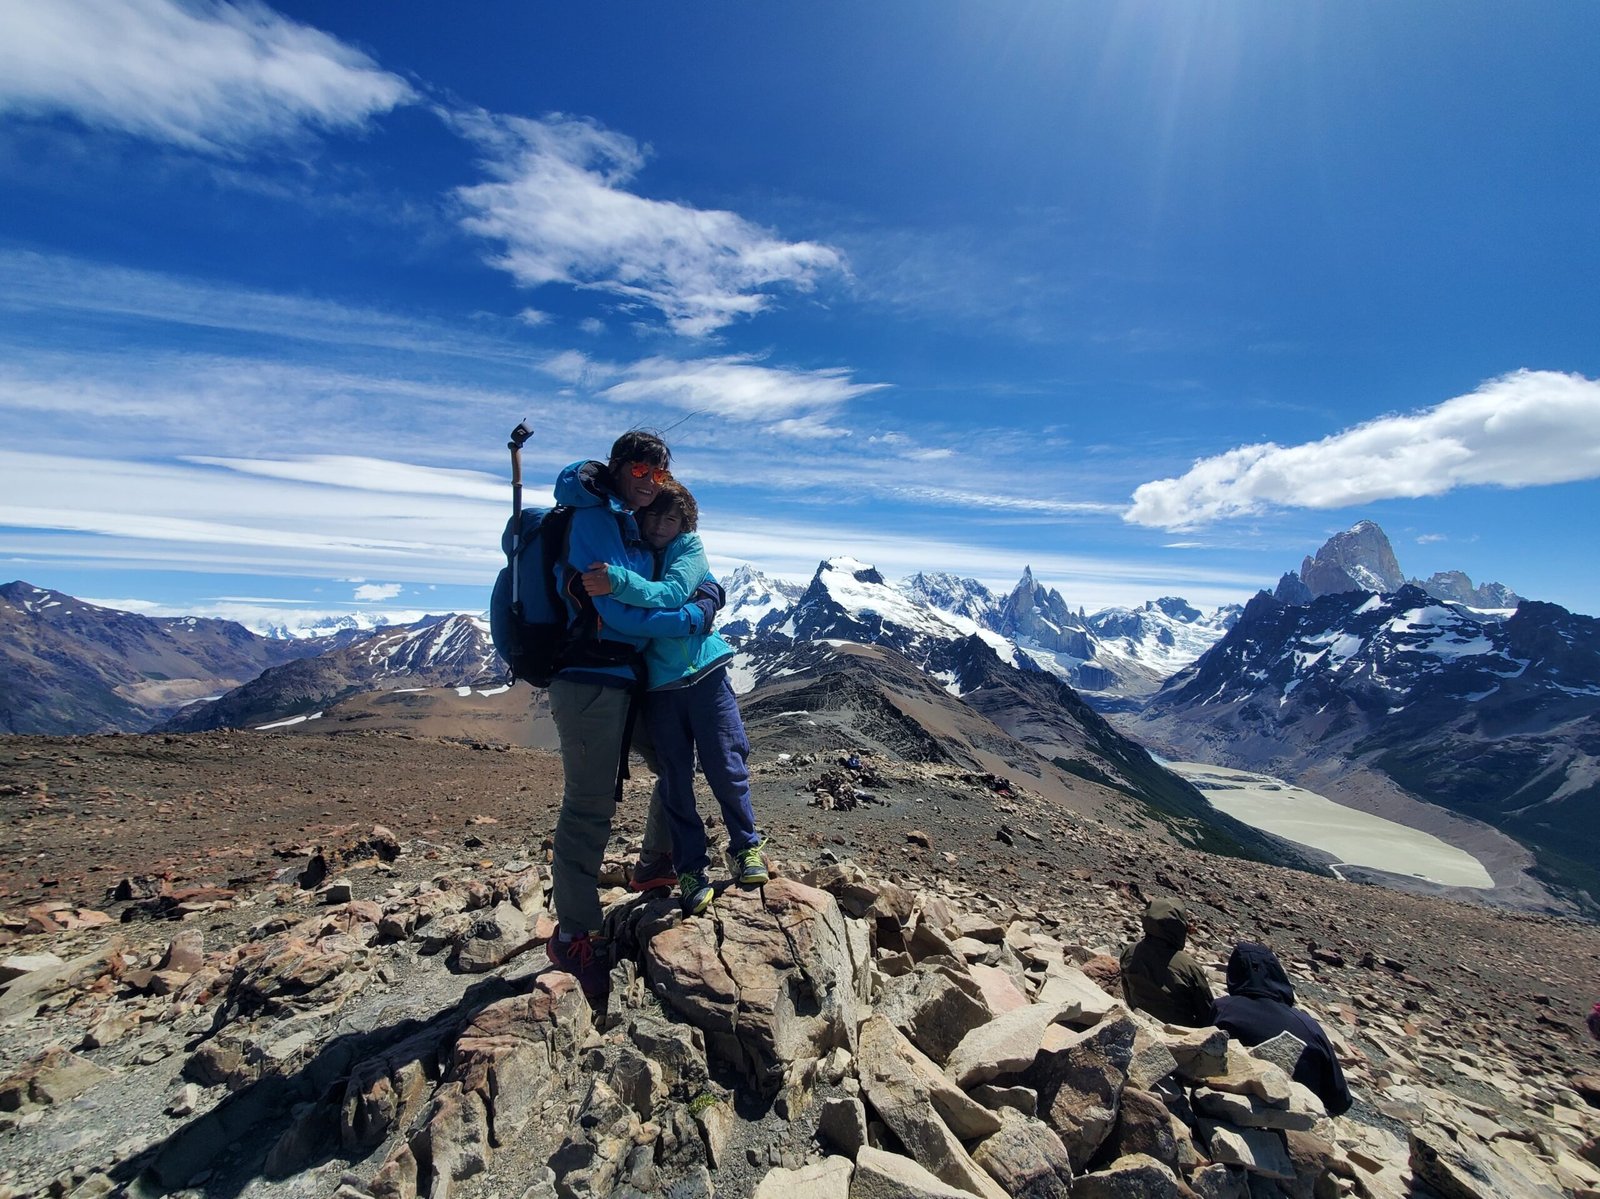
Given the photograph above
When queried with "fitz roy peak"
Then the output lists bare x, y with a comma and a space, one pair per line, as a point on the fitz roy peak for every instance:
1361, 559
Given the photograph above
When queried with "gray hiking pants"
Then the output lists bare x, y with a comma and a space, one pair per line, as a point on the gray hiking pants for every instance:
589, 723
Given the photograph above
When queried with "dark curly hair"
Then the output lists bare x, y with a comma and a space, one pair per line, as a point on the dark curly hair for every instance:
675, 496
639, 445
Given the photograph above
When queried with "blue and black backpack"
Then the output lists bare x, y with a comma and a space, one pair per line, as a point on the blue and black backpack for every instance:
528, 620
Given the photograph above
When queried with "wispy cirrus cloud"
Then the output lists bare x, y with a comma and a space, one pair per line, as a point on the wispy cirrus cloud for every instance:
214, 77
34, 284
740, 388
1523, 429
558, 204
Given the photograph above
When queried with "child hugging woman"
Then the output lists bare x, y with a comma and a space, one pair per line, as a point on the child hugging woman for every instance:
690, 704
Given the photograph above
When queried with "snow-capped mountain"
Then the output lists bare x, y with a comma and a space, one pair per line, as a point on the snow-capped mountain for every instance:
1361, 559
453, 651
1032, 627
1495, 717
1164, 634
751, 598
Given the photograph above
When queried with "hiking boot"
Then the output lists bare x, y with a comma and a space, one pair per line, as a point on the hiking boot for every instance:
749, 867
583, 957
651, 871
695, 892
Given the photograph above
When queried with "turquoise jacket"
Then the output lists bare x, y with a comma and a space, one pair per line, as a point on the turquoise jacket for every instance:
604, 531
673, 661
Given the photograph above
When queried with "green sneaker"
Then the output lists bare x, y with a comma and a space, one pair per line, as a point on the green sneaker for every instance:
694, 892
750, 868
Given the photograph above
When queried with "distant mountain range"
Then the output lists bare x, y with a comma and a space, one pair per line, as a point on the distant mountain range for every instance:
1490, 714
1115, 656
1462, 696
444, 651
67, 666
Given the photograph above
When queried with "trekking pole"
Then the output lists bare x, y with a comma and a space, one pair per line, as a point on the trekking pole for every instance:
519, 436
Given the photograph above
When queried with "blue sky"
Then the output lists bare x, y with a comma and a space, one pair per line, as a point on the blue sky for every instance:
1153, 297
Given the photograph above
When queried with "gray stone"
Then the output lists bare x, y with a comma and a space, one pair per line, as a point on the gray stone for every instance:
1079, 1077
1460, 1168
1257, 1150
489, 941
770, 975
827, 1179
1143, 1126
900, 1095
1027, 1159
1019, 1099
1249, 1112
1005, 1045
1283, 1051
20, 964
933, 1011
1135, 1177
1218, 1181
880, 1175
843, 1124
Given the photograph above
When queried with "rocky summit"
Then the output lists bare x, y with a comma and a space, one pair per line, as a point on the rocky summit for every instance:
922, 1002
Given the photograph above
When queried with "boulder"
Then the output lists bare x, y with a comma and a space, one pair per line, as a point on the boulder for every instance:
1005, 1045
827, 1179
1026, 1158
1135, 1177
492, 940
1247, 1111
932, 1010
1200, 1052
1218, 1181
880, 1175
1001, 993
888, 1056
1257, 1150
772, 976
516, 1050
1143, 1126
1071, 987
1244, 1074
1457, 1167
908, 1101
591, 1160
1080, 1077
20, 964
53, 1077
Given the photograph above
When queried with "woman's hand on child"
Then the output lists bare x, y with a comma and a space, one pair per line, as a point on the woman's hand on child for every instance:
597, 579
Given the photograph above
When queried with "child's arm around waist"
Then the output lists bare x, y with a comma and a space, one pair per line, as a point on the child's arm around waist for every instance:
683, 569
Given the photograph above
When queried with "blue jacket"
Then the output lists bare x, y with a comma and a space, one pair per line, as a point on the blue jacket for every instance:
604, 531
673, 661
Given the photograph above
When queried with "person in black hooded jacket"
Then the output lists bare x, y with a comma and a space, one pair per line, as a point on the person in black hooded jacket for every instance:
1260, 1004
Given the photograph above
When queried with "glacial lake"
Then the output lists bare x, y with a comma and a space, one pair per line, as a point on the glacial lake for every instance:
1355, 838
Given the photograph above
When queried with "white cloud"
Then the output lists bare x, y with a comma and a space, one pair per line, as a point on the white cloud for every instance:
533, 317
213, 77
1521, 430
74, 287
1430, 538
558, 204
366, 474
592, 325
377, 592
736, 387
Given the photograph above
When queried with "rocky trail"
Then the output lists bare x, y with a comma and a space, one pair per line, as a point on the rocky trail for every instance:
240, 964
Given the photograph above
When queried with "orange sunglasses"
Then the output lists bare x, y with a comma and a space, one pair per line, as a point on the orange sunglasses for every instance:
658, 474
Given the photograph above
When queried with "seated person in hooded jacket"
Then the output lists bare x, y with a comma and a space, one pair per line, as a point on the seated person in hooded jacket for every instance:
1260, 1004
1159, 976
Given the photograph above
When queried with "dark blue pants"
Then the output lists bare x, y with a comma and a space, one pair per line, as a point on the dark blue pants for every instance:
703, 717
